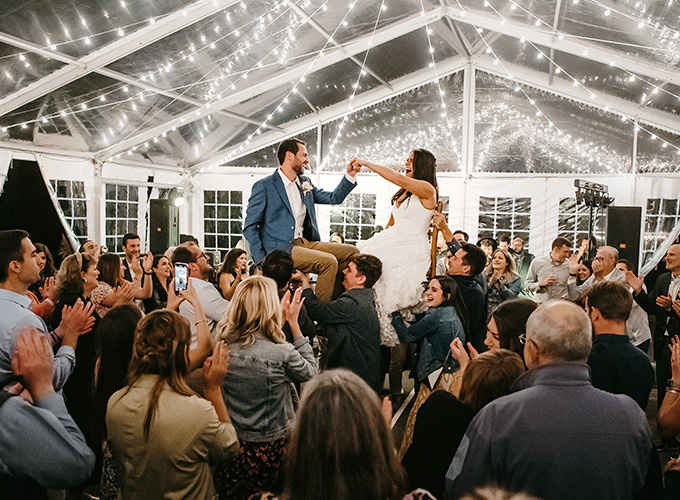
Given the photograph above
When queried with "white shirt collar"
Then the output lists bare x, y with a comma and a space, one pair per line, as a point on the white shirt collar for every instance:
286, 181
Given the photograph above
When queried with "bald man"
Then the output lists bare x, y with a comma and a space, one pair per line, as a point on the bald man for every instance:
556, 436
662, 302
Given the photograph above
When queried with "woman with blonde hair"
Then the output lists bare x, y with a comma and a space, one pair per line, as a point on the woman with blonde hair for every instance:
504, 282
258, 387
163, 436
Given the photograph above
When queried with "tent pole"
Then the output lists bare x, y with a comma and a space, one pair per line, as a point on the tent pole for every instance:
97, 233
468, 132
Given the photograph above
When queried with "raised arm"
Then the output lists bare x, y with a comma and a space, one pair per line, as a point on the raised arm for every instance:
422, 189
668, 419
145, 290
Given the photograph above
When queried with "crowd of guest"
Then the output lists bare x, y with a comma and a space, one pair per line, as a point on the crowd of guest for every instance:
531, 374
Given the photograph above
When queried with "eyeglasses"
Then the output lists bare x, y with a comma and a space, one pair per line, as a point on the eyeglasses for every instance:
522, 338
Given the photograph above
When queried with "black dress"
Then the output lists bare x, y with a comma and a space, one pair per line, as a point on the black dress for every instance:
159, 296
79, 388
440, 426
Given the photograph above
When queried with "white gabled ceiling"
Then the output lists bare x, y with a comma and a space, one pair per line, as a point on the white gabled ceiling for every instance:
183, 84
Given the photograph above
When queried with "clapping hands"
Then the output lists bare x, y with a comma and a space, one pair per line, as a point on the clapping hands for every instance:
123, 294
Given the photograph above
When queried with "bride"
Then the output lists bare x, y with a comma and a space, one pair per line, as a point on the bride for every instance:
403, 247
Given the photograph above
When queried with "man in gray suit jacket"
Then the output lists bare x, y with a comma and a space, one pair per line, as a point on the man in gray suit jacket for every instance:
281, 216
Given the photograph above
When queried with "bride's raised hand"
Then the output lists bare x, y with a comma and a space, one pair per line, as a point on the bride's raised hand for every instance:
353, 167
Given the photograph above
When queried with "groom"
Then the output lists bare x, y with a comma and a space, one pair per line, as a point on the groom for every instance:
281, 216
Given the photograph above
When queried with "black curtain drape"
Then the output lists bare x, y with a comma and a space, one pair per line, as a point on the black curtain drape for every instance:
25, 203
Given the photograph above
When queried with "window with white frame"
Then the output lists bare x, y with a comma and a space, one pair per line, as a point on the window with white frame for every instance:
222, 220
354, 220
661, 217
504, 217
573, 222
71, 198
121, 214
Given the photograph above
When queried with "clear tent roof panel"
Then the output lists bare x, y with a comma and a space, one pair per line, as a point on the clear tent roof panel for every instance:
335, 83
245, 43
266, 157
361, 18
514, 135
14, 72
614, 24
409, 53
596, 76
78, 28
667, 99
621, 30
590, 75
525, 11
657, 151
261, 107
511, 49
387, 131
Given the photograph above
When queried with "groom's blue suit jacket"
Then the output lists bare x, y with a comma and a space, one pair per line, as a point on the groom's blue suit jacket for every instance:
270, 224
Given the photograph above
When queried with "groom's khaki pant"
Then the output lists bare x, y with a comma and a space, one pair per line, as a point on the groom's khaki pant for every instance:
328, 260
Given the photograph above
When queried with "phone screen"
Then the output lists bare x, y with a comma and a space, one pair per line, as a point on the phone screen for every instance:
181, 277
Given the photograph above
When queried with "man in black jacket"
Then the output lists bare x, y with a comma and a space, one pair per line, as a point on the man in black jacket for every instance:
465, 263
350, 322
660, 302
616, 365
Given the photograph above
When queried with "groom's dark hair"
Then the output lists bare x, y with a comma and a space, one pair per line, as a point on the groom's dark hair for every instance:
292, 145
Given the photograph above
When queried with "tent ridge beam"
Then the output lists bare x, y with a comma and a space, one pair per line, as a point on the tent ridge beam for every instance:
28, 147
336, 111
114, 75
320, 29
532, 78
569, 44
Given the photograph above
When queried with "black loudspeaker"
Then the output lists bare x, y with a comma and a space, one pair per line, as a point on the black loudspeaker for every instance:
623, 232
164, 226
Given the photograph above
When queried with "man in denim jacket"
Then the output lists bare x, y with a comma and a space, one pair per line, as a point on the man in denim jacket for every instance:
350, 322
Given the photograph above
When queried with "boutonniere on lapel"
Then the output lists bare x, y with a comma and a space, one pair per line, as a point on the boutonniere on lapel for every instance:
306, 187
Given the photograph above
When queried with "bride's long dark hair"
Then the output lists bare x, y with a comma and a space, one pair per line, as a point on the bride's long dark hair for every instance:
424, 169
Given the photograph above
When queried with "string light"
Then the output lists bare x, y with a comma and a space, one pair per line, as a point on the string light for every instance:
575, 83
73, 110
355, 87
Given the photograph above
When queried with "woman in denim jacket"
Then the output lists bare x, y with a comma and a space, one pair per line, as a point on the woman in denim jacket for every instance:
436, 368
257, 388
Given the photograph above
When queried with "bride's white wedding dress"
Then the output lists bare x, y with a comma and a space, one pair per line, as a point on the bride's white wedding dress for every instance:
404, 250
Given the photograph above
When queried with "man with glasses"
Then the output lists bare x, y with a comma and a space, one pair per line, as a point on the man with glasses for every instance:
556, 436
199, 270
604, 269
